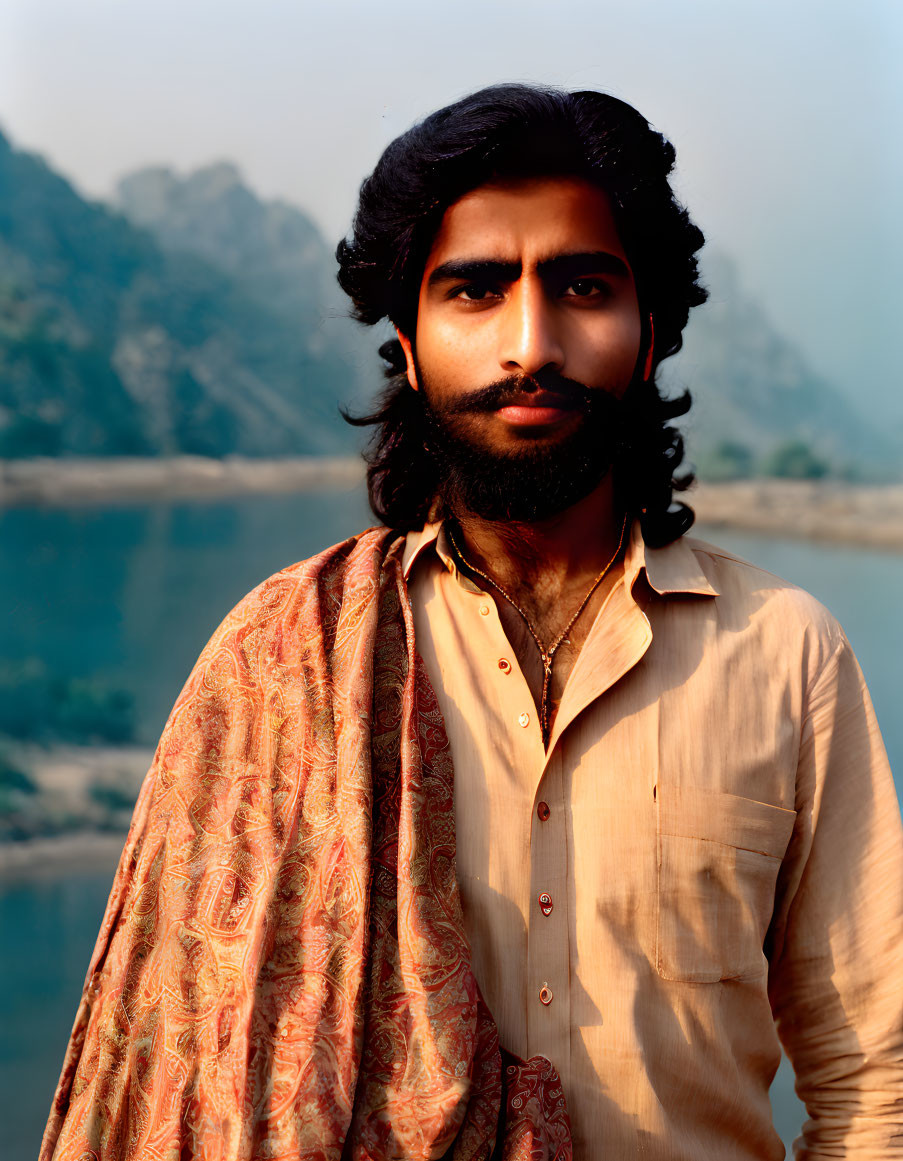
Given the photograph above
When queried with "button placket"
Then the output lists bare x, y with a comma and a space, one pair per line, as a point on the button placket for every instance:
492, 696
490, 630
548, 934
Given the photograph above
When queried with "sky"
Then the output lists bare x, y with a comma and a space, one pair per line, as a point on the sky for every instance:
785, 115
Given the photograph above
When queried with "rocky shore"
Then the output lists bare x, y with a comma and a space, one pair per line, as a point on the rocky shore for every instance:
805, 510
74, 808
798, 509
126, 480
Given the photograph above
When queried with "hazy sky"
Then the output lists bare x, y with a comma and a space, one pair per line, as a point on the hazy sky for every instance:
786, 117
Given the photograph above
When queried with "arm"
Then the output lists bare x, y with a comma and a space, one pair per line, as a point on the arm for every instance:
836, 982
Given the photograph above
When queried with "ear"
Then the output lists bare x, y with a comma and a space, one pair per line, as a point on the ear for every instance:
408, 349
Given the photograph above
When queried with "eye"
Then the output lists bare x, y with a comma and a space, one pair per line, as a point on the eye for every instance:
586, 288
474, 292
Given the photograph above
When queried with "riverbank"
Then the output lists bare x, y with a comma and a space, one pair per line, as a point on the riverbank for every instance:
72, 808
126, 480
825, 510
48, 858
805, 510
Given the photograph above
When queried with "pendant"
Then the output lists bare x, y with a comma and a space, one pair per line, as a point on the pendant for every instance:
544, 700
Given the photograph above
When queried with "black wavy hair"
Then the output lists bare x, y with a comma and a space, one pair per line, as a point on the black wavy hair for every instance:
513, 131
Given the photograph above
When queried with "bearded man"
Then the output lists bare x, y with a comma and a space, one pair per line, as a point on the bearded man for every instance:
524, 766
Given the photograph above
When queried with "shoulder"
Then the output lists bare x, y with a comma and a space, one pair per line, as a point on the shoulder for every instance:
273, 624
772, 608
353, 566
271, 669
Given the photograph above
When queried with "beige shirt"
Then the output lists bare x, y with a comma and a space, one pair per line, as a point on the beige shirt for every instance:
711, 845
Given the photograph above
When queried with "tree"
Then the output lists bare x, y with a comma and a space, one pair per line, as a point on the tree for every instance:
795, 460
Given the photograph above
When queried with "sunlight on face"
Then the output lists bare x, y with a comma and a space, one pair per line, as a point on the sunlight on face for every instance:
526, 278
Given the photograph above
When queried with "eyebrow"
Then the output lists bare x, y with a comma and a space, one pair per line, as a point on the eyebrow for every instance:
498, 270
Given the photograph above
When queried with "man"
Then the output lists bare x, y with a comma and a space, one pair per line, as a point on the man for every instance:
671, 833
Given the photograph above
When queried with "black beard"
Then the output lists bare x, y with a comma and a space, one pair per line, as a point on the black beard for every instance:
545, 477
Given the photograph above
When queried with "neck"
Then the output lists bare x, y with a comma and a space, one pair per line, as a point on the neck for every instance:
563, 549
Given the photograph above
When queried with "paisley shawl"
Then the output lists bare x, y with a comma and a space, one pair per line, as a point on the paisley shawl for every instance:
282, 969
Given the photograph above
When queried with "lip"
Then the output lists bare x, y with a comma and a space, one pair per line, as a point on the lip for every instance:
541, 409
522, 416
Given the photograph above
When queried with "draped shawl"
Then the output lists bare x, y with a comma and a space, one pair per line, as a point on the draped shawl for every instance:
282, 969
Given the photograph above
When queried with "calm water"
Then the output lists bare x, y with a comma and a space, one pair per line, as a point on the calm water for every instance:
132, 594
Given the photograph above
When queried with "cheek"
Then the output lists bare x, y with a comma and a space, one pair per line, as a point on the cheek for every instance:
607, 349
449, 358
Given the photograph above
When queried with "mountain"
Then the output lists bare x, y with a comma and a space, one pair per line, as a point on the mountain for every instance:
751, 386
113, 343
273, 250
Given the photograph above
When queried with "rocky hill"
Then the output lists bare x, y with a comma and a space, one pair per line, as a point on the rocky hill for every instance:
271, 249
274, 250
113, 343
753, 389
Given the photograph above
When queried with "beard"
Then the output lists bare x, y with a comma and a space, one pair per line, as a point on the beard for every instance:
545, 476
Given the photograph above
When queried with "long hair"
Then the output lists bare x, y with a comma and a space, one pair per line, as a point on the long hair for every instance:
513, 131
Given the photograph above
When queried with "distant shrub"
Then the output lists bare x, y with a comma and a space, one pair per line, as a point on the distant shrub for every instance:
16, 781
29, 435
38, 706
729, 460
795, 460
16, 790
111, 797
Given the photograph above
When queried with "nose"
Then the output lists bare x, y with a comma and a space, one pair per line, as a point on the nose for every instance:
529, 337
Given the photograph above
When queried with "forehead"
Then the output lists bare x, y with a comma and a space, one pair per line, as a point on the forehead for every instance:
527, 220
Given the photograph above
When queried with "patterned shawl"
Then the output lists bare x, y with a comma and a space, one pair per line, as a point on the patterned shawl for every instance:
282, 970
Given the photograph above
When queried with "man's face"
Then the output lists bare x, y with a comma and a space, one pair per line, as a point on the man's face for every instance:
528, 333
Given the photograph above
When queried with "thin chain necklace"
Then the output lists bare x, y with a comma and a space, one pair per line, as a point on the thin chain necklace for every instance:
546, 654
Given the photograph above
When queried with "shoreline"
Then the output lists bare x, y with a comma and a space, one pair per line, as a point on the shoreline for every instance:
44, 858
73, 827
826, 510
68, 482
869, 516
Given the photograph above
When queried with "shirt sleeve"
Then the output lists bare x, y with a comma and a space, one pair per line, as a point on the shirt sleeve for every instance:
836, 980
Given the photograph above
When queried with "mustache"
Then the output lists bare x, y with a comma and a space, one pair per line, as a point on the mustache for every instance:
569, 394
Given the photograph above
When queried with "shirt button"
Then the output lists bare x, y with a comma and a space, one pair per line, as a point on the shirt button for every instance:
545, 995
504, 665
484, 610
542, 811
524, 720
545, 903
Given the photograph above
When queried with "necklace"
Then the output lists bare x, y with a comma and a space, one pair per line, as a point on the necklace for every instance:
547, 655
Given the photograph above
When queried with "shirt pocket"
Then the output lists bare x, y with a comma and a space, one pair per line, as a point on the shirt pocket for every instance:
718, 862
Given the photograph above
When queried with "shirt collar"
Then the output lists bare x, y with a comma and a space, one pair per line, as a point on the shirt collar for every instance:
433, 535
672, 569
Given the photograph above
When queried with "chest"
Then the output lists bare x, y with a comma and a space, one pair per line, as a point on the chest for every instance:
662, 806
547, 640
